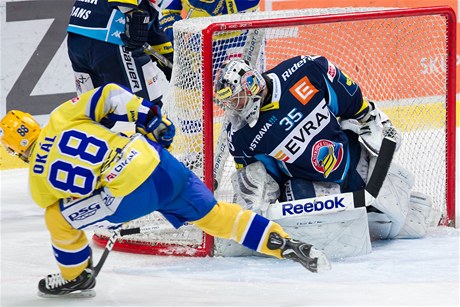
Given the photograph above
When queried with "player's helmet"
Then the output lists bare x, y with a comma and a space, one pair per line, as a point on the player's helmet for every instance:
238, 88
18, 131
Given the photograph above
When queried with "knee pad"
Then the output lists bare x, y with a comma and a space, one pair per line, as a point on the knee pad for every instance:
393, 202
418, 217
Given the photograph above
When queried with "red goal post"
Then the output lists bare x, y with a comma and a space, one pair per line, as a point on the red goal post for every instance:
447, 184
404, 59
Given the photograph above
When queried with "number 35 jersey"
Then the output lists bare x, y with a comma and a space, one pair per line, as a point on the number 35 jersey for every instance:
298, 133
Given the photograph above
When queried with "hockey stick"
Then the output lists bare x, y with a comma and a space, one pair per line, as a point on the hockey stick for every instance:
150, 51
342, 201
108, 248
125, 232
382, 165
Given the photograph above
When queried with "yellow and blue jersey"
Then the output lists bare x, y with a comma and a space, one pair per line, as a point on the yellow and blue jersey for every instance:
75, 159
72, 156
171, 10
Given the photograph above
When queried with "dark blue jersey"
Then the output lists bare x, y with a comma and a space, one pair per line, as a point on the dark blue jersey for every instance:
102, 20
298, 133
172, 10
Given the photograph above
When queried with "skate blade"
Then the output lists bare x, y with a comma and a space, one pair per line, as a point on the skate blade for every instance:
76, 294
322, 263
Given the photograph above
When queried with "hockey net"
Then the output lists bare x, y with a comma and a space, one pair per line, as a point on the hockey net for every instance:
403, 59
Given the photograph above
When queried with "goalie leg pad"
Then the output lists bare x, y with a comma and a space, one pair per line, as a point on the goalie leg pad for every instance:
229, 248
339, 235
393, 201
417, 220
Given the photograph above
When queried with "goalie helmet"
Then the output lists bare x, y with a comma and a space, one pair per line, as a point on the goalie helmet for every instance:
18, 131
238, 88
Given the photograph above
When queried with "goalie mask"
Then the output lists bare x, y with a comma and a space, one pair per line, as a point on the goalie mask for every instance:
18, 131
238, 88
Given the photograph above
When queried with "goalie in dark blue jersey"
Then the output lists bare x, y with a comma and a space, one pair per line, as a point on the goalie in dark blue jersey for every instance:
308, 126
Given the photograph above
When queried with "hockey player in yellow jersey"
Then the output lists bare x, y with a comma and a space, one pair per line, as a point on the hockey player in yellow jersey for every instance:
171, 10
85, 175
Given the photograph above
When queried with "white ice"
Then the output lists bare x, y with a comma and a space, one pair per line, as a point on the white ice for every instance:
423, 272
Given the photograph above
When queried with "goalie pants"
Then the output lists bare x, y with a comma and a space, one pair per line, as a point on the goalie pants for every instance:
180, 196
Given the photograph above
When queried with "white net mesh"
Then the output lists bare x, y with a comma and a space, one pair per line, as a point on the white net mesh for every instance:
400, 63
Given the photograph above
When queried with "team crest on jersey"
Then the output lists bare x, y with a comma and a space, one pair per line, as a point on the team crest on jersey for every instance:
303, 90
326, 156
331, 71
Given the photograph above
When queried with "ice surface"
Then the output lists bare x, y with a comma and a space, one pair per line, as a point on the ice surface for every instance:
422, 272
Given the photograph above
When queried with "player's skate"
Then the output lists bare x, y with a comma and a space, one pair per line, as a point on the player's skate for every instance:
55, 286
308, 256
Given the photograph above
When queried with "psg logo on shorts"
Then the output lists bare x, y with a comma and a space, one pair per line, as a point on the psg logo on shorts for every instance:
326, 156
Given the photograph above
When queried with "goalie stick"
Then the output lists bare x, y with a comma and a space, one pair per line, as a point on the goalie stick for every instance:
342, 201
382, 165
150, 51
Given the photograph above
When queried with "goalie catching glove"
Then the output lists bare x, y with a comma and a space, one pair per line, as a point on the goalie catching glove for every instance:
375, 126
136, 29
158, 128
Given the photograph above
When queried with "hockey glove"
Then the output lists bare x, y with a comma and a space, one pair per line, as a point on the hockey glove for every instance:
136, 29
158, 128
375, 126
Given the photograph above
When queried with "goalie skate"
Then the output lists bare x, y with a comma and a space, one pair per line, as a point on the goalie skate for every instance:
303, 253
55, 286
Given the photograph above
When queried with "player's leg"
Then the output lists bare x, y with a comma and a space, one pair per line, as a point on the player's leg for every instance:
338, 235
135, 71
80, 55
73, 255
96, 63
195, 203
231, 221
